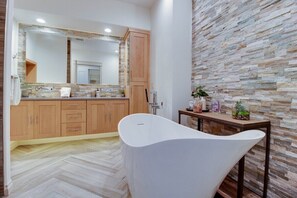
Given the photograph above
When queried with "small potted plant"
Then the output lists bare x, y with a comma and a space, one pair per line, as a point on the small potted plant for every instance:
241, 111
199, 93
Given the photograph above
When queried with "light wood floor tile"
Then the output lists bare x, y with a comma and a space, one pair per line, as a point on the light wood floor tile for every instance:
82, 169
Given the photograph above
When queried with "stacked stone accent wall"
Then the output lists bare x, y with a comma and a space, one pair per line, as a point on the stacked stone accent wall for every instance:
248, 50
122, 64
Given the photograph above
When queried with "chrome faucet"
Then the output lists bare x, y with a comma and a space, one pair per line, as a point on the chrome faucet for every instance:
154, 104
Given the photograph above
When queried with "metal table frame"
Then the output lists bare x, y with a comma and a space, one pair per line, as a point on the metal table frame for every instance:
242, 127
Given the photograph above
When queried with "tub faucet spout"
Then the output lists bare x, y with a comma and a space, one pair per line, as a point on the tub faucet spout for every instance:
154, 104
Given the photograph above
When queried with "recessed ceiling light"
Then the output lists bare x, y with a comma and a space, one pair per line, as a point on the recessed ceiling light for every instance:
108, 30
40, 20
117, 51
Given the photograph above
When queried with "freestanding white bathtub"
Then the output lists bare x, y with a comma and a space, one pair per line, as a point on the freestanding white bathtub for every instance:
166, 160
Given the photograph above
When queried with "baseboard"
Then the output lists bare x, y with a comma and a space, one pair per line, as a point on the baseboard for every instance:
14, 144
8, 189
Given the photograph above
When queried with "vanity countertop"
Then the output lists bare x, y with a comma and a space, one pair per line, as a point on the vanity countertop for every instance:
74, 98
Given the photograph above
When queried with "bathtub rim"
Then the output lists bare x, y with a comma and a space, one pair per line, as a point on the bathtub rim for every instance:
240, 136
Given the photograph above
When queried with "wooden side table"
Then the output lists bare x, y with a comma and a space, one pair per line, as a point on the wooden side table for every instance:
242, 125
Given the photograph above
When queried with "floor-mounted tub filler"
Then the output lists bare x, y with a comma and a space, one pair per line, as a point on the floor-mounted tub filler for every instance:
163, 159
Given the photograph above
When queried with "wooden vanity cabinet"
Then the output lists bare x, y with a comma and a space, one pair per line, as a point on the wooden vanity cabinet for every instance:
118, 109
73, 117
34, 120
21, 121
47, 119
104, 115
97, 113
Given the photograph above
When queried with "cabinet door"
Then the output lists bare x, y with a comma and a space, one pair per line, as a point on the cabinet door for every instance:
47, 119
139, 57
97, 116
21, 121
118, 109
138, 103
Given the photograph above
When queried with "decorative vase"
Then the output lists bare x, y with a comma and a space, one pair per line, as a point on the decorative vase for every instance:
215, 105
241, 111
191, 105
197, 108
203, 103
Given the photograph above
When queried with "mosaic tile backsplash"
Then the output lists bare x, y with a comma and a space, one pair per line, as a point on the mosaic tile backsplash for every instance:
53, 90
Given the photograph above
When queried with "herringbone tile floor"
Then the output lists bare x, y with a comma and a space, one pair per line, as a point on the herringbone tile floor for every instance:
78, 169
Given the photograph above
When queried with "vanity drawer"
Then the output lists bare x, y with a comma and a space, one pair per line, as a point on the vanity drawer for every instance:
69, 116
74, 105
70, 129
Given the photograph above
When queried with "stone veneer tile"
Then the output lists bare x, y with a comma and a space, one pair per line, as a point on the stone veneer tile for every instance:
248, 49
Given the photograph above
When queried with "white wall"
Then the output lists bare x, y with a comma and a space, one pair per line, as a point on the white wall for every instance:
182, 55
6, 90
161, 54
171, 54
15, 44
110, 64
50, 53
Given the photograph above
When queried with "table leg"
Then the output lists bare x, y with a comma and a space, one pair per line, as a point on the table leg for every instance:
266, 171
179, 118
199, 122
240, 178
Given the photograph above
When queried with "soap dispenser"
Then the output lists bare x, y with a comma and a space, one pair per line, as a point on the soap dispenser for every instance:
98, 93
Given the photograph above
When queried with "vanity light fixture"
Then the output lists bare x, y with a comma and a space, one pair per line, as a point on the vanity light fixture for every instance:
107, 30
40, 20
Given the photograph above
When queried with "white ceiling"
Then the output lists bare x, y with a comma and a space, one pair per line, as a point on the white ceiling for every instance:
143, 3
58, 21
86, 15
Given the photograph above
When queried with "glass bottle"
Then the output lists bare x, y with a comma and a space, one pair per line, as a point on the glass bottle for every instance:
215, 103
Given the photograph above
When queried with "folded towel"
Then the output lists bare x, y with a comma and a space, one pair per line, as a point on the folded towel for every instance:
15, 91
65, 92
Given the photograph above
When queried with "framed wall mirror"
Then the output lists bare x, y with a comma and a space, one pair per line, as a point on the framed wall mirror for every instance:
64, 56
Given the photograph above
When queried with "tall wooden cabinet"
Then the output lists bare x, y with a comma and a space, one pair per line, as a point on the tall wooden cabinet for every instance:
138, 78
139, 56
138, 103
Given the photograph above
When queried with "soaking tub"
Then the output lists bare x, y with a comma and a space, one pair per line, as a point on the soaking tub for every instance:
163, 159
